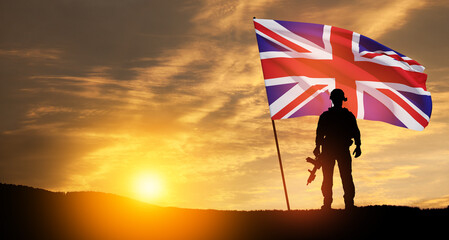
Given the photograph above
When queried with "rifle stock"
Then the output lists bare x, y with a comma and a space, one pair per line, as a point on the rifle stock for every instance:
317, 165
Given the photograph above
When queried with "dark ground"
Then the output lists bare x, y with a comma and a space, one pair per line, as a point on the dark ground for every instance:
29, 213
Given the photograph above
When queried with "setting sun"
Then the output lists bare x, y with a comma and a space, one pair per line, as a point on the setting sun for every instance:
148, 187
168, 102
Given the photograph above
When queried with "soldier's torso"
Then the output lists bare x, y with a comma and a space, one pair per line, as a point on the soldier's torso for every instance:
338, 126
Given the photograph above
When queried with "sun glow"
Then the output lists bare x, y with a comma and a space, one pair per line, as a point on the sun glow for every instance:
148, 187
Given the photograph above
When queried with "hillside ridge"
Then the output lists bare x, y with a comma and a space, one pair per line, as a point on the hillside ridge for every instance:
33, 213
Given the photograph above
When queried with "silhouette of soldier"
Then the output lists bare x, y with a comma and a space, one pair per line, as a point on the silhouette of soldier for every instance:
336, 129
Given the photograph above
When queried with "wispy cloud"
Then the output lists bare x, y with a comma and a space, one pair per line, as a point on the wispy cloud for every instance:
439, 202
184, 97
36, 54
369, 18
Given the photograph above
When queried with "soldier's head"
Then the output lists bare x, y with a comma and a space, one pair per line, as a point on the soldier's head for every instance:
337, 97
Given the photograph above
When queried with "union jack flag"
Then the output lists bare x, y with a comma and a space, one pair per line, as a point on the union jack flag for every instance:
303, 62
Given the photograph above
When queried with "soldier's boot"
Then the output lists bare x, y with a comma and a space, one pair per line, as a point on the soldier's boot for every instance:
349, 204
327, 203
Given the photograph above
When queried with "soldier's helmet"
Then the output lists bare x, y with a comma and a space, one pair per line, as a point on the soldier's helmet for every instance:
338, 94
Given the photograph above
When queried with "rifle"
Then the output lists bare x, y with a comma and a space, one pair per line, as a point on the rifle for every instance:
316, 165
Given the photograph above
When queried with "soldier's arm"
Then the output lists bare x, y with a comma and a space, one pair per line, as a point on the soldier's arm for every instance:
356, 135
319, 136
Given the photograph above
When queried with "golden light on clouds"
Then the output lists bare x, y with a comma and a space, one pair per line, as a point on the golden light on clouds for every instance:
370, 18
165, 102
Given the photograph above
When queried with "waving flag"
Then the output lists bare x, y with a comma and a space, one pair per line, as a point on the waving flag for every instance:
303, 62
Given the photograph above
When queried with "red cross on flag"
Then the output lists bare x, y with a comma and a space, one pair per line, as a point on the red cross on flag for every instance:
303, 62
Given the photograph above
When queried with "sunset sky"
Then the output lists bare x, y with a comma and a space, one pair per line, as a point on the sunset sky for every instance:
164, 101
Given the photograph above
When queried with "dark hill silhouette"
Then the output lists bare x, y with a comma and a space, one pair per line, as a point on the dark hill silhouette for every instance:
30, 213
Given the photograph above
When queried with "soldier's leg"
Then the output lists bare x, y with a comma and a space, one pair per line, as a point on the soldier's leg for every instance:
326, 187
345, 168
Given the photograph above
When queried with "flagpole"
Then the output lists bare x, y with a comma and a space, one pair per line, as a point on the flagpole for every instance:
280, 164
280, 161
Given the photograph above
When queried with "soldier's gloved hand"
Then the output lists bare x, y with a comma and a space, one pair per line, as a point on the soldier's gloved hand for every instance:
357, 152
316, 151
